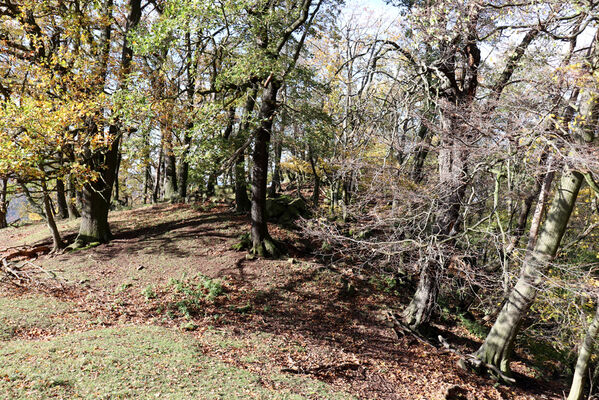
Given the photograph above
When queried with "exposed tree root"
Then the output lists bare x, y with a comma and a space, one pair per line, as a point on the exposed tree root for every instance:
471, 362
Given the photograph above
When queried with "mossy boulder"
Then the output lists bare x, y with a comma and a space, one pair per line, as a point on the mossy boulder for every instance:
285, 210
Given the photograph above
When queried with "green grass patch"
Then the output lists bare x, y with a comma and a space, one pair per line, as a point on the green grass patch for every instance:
137, 363
28, 312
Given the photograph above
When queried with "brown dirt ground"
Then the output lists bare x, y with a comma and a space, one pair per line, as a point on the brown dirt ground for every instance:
345, 341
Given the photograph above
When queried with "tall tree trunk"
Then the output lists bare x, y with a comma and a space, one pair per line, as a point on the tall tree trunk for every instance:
316, 191
117, 187
156, 192
56, 239
276, 176
242, 201
96, 194
147, 168
184, 165
95, 198
211, 185
170, 167
421, 153
71, 199
452, 187
497, 348
3, 202
191, 82
261, 242
584, 355
61, 200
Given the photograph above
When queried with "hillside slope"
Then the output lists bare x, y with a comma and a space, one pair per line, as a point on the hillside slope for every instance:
168, 310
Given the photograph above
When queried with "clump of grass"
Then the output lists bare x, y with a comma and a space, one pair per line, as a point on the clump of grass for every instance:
474, 327
189, 296
148, 292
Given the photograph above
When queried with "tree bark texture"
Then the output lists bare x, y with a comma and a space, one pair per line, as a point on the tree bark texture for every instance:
584, 355
261, 242
497, 348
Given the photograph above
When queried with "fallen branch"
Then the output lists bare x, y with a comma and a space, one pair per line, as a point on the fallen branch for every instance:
26, 275
28, 252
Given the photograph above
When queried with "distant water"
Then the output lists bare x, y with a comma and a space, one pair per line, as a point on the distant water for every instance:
16, 208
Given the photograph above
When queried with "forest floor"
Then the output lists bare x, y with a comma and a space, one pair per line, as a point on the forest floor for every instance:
168, 310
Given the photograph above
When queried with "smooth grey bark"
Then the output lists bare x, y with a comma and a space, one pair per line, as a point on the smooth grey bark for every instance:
497, 348
584, 355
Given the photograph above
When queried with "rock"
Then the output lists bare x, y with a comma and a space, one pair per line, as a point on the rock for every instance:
299, 204
285, 210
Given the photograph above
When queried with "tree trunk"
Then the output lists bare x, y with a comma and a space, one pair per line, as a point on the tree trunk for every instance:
276, 176
584, 355
316, 191
56, 240
95, 198
71, 199
242, 201
421, 153
61, 201
211, 185
97, 194
3, 202
184, 166
261, 242
156, 192
147, 167
419, 311
190, 89
452, 187
170, 167
497, 348
117, 187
